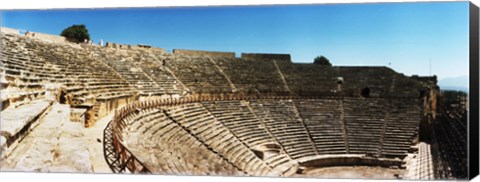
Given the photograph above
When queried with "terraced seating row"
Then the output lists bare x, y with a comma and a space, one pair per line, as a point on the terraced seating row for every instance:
24, 96
165, 147
99, 80
157, 73
123, 64
212, 132
322, 118
154, 65
19, 85
255, 76
199, 74
401, 128
364, 120
31, 64
283, 121
309, 79
270, 136
200, 123
236, 116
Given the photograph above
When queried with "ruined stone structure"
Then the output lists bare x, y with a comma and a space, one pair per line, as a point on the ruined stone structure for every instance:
37, 35
139, 46
210, 113
256, 56
203, 53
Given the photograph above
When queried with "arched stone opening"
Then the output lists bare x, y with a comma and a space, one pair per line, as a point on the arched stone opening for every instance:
365, 92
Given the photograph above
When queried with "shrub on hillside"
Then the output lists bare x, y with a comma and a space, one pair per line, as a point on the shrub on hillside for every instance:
76, 33
321, 60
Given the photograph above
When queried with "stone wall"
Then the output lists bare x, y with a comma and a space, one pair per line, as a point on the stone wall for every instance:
47, 37
116, 45
431, 80
258, 56
6, 30
136, 47
43, 36
203, 53
148, 47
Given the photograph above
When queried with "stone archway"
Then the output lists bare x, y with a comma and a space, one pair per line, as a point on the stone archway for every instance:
365, 92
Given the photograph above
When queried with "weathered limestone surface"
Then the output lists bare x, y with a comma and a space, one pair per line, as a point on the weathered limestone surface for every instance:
172, 150
14, 119
203, 53
93, 137
55, 145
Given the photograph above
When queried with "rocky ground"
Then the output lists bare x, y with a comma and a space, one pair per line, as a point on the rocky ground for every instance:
59, 145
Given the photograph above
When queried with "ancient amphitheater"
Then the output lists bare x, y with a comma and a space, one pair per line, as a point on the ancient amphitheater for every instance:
137, 109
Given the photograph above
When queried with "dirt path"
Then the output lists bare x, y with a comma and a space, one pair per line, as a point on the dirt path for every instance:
94, 140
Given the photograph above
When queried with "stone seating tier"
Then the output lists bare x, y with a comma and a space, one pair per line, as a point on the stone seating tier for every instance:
173, 134
176, 74
38, 64
154, 66
240, 121
199, 74
159, 150
345, 126
213, 133
323, 121
282, 122
261, 76
365, 120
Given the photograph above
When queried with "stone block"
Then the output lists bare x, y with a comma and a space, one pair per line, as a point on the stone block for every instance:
14, 120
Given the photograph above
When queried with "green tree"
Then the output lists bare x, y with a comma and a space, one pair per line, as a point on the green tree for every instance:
321, 60
76, 33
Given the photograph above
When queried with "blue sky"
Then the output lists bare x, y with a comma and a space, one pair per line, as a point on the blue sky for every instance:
404, 36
